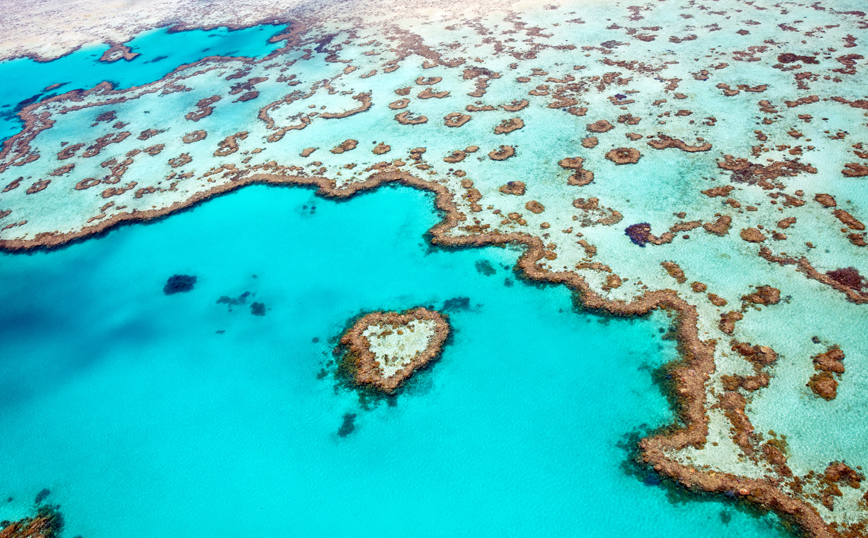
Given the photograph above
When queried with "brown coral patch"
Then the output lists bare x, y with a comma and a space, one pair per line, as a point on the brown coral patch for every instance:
752, 235
455, 157
826, 200
600, 126
515, 106
399, 104
407, 118
664, 141
824, 385
381, 148
675, 271
513, 187
117, 51
590, 142
502, 154
855, 170
180, 160
581, 178
68, 151
428, 93
195, 136
47, 524
624, 155
727, 321
229, 145
346, 145
204, 108
456, 119
366, 365
86, 184
571, 163
65, 169
759, 356
830, 361
849, 277
764, 295
849, 220
38, 186
534, 207
365, 103
508, 126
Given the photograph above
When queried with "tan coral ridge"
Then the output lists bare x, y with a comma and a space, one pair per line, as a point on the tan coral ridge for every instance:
47, 523
384, 348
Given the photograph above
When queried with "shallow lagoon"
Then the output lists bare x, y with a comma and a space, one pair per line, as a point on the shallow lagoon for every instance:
144, 420
160, 52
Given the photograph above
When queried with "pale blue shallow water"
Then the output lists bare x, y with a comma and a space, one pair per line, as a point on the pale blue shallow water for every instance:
143, 421
160, 51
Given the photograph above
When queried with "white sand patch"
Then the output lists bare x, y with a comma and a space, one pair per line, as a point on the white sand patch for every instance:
396, 346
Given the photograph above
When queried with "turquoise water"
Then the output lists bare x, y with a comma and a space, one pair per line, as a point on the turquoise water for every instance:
155, 415
160, 51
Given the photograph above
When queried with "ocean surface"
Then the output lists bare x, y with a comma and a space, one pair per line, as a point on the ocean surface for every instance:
148, 414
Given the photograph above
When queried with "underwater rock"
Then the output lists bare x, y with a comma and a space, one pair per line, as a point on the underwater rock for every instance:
824, 385
639, 233
233, 301
850, 277
456, 304
484, 267
348, 426
179, 284
42, 495
257, 309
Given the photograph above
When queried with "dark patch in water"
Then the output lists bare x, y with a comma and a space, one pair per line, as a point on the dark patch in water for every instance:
850, 277
157, 59
315, 339
42, 495
638, 233
508, 282
484, 267
242, 299
789, 57
348, 426
456, 304
725, 517
179, 284
28, 101
257, 309
324, 42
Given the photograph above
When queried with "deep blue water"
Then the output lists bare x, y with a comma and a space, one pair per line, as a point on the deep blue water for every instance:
148, 414
160, 53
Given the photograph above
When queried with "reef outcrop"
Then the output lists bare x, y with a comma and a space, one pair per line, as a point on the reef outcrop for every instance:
383, 349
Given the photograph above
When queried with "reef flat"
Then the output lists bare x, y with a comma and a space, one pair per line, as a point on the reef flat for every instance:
386, 348
702, 157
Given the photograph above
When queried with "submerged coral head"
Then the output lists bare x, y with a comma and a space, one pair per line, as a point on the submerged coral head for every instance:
639, 233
